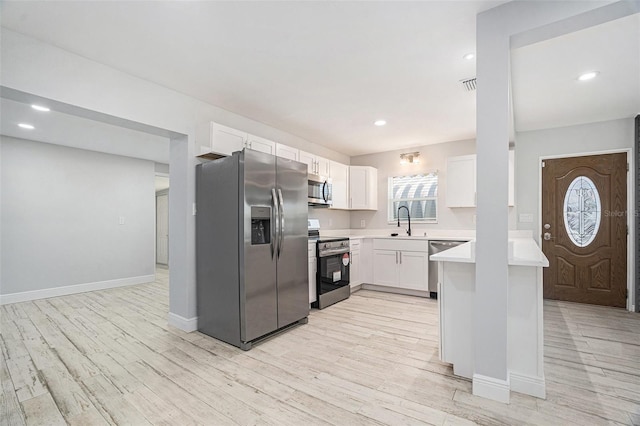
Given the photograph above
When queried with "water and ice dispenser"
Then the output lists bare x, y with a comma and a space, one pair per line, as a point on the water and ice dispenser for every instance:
260, 225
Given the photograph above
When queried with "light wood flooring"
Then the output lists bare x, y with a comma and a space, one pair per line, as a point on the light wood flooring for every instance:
108, 357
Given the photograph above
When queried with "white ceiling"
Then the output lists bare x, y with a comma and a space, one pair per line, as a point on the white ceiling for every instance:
77, 132
546, 92
326, 70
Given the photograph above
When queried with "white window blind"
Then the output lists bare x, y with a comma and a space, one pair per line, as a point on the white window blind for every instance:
419, 193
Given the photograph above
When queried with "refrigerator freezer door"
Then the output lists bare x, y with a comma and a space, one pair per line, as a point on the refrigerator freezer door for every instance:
293, 262
258, 294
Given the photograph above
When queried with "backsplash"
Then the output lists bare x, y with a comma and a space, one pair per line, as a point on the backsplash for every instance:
330, 219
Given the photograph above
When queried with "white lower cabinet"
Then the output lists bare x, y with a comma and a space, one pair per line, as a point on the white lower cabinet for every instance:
401, 264
355, 275
312, 272
385, 267
412, 273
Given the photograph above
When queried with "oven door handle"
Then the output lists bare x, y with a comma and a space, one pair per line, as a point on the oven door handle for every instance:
330, 253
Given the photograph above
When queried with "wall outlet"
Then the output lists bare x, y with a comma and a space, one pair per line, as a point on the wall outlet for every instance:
330, 222
362, 223
120, 220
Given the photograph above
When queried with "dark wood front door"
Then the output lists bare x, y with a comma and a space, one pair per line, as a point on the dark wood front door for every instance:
584, 229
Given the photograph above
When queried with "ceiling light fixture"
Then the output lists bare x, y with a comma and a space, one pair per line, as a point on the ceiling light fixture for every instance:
379, 122
26, 126
469, 56
588, 75
40, 108
410, 158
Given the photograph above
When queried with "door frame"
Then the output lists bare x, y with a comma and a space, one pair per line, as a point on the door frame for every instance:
630, 208
155, 218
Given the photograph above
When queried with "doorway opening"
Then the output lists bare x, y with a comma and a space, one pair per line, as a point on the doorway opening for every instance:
162, 220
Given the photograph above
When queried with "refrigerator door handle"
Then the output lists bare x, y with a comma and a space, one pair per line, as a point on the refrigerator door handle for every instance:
274, 222
281, 244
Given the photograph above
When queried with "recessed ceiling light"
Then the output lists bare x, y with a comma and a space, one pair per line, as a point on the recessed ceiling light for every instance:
40, 108
380, 122
469, 56
588, 75
26, 126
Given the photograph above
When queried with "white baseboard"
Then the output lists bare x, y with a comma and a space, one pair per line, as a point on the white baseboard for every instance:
73, 289
528, 385
184, 324
356, 287
395, 290
491, 388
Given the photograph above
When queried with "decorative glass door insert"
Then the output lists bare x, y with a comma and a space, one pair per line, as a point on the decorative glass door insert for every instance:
582, 211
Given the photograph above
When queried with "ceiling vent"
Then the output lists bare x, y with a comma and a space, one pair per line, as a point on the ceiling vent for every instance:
469, 84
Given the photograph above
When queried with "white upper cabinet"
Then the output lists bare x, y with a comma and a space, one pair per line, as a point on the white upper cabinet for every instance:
340, 185
324, 166
261, 144
363, 188
309, 160
217, 140
315, 164
461, 181
285, 151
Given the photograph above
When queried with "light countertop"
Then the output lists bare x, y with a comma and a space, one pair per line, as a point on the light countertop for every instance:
522, 252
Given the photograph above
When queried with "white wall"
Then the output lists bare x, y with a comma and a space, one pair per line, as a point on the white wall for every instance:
75, 80
331, 219
530, 146
60, 217
432, 158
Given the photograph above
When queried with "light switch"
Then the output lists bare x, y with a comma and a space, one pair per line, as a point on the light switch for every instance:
526, 218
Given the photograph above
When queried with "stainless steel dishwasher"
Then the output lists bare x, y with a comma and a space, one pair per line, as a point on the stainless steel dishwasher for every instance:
437, 246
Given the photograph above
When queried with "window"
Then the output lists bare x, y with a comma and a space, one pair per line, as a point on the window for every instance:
419, 193
582, 211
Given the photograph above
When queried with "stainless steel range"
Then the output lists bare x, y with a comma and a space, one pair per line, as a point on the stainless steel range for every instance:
333, 258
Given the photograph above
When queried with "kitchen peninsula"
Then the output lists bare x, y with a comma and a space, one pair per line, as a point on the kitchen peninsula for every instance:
456, 294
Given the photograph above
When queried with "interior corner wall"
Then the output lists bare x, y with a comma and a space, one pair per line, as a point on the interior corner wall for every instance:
432, 158
61, 210
572, 140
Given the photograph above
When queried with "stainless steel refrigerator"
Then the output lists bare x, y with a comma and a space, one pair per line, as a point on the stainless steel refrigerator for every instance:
251, 246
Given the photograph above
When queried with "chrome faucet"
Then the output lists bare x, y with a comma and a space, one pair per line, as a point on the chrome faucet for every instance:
408, 217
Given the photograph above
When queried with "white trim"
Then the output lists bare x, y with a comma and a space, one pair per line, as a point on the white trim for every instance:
528, 385
395, 290
630, 208
73, 289
491, 388
184, 324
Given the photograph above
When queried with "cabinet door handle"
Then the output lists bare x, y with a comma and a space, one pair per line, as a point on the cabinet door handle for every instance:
400, 257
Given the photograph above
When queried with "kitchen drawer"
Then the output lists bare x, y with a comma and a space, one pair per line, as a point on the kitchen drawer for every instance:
401, 245
354, 244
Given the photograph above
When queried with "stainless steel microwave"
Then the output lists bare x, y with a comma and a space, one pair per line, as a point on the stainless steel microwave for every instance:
320, 191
